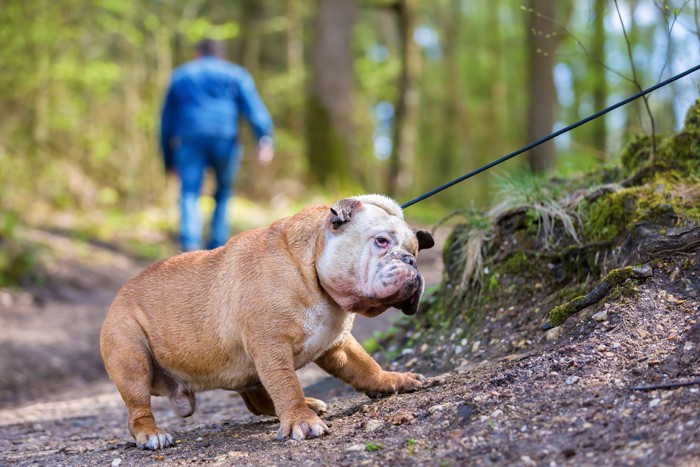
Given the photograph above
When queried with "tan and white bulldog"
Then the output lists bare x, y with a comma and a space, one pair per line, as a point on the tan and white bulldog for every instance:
245, 316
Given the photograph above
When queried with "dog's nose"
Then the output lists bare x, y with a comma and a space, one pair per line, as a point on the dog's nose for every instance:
409, 259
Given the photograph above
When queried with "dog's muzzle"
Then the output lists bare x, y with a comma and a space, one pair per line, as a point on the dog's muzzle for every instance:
410, 306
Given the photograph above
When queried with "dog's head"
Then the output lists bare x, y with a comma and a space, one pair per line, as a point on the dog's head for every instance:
368, 262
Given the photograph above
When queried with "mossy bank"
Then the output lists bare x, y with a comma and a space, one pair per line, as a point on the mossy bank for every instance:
549, 241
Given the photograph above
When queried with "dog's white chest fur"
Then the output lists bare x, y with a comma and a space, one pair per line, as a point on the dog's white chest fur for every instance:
323, 328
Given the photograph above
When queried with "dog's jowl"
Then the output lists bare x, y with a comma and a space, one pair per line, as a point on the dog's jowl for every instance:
245, 316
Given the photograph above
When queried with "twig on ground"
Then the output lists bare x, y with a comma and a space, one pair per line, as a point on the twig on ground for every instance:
669, 385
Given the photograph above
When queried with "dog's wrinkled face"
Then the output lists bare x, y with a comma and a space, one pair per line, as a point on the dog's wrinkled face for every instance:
369, 260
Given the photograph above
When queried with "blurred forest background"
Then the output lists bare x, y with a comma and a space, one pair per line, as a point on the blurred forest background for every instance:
390, 96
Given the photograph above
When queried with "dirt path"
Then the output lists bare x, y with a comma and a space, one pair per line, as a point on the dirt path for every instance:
562, 401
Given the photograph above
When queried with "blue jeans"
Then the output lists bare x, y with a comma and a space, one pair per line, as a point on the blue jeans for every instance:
192, 158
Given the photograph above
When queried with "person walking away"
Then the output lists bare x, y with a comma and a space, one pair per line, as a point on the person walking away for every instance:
199, 129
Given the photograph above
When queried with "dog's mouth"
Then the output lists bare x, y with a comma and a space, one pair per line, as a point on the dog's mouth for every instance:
410, 306
406, 299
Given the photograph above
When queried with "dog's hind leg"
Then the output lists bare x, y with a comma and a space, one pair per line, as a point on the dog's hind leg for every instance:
258, 402
130, 365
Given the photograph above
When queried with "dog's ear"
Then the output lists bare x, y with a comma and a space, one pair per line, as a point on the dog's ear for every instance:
425, 240
341, 212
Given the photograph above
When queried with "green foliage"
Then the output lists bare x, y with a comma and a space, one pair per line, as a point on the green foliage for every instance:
411, 444
202, 28
372, 447
83, 81
374, 343
18, 258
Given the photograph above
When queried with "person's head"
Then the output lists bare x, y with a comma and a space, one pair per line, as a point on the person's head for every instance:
210, 48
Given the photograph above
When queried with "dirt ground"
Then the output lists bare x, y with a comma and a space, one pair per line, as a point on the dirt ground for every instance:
566, 397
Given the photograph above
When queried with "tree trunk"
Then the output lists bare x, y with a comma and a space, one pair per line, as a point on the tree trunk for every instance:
249, 42
600, 88
541, 90
401, 165
329, 124
454, 128
295, 59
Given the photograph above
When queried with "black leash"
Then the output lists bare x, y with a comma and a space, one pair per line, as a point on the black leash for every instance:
551, 136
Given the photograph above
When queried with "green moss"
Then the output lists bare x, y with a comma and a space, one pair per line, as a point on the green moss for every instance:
606, 217
517, 263
561, 313
628, 289
636, 153
683, 148
688, 264
617, 276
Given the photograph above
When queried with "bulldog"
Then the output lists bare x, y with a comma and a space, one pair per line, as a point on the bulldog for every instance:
246, 315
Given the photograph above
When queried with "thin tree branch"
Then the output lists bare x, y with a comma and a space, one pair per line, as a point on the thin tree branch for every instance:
645, 99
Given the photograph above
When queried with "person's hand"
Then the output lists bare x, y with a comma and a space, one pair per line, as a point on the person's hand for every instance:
265, 154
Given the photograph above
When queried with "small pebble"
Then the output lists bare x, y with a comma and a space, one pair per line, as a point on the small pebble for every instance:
496, 413
439, 407
373, 425
116, 462
572, 380
601, 316
654, 403
554, 333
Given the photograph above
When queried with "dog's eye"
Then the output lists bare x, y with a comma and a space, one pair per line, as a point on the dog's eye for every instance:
381, 242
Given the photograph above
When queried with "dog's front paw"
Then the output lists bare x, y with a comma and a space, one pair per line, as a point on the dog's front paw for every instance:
301, 424
393, 382
157, 440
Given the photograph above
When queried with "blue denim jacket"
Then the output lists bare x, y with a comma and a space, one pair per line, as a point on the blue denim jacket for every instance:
205, 98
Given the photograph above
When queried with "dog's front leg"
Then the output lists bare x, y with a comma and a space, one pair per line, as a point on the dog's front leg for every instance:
349, 362
275, 366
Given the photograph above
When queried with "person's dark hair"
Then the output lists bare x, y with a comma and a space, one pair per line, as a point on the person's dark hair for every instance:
210, 47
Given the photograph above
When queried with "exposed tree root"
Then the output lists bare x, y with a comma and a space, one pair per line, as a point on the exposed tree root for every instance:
561, 313
667, 245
